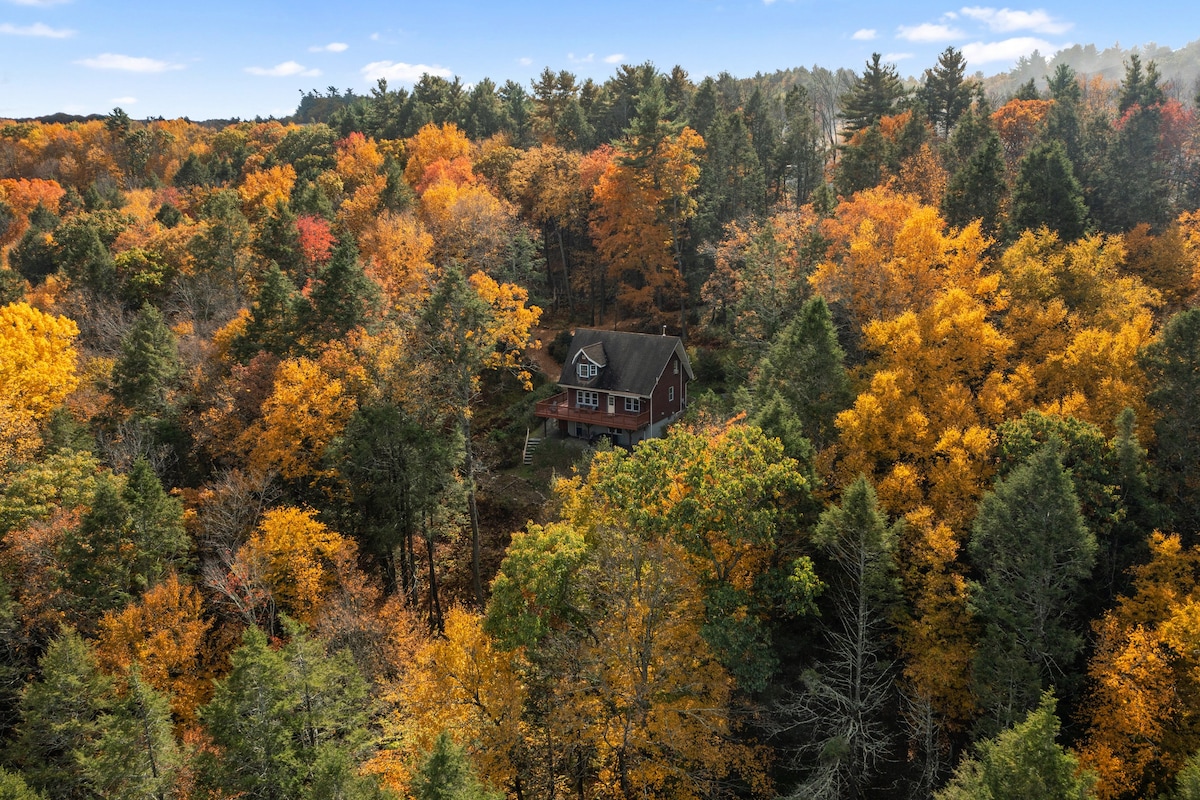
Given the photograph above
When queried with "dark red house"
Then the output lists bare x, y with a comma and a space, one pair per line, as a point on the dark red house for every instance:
628, 386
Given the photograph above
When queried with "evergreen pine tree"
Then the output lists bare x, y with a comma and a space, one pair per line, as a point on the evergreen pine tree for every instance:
61, 716
804, 366
1033, 553
1172, 365
134, 755
447, 774
800, 158
873, 96
160, 543
1021, 763
1047, 193
944, 94
147, 366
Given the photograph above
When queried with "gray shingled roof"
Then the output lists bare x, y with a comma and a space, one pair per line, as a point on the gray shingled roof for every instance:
635, 360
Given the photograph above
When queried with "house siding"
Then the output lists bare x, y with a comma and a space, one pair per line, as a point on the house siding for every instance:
672, 377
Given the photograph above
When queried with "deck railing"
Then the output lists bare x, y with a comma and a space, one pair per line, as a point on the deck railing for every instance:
557, 407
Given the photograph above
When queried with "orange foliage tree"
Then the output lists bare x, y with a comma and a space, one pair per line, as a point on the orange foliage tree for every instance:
1145, 678
397, 251
163, 634
888, 254
1017, 122
640, 204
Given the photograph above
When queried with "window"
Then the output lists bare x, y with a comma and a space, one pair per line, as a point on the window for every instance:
586, 398
586, 370
670, 394
633, 404
676, 365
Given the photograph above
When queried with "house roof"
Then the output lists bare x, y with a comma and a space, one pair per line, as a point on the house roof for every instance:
632, 362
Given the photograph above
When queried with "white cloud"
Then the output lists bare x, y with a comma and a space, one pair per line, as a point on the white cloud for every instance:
615, 58
128, 63
36, 29
1005, 20
1008, 50
892, 58
400, 72
287, 69
332, 47
928, 32
574, 59
124, 101
865, 34
525, 62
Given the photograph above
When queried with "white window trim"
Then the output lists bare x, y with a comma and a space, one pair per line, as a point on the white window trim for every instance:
585, 398
670, 394
586, 370
633, 405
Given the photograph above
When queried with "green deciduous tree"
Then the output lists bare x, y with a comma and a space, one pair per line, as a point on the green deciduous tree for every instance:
1022, 762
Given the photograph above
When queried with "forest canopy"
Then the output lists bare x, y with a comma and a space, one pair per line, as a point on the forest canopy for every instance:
277, 518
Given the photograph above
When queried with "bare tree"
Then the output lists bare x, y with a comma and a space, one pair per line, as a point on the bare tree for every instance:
841, 716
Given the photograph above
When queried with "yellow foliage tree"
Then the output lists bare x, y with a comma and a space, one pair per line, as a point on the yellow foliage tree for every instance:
1142, 715
462, 684
1078, 320
307, 408
262, 190
37, 372
923, 428
298, 559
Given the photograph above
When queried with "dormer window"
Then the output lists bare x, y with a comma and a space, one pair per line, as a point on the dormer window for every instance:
586, 370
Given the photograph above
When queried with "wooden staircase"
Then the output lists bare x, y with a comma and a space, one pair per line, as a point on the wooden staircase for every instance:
531, 444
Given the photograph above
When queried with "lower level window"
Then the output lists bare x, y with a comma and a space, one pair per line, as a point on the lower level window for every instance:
633, 404
586, 398
670, 393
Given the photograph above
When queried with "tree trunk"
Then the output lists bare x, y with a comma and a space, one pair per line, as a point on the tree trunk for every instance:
473, 509
562, 254
435, 603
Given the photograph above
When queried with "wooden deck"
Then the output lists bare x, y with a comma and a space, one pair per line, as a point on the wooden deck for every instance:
557, 407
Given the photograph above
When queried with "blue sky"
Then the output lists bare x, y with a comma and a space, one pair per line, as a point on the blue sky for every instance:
224, 58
